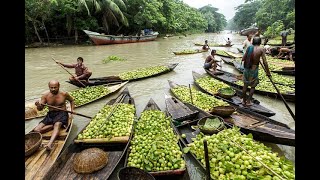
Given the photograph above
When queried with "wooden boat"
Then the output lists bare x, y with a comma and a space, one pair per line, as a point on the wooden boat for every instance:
248, 31
219, 110
238, 66
236, 100
179, 174
234, 55
194, 51
240, 50
39, 163
220, 53
262, 128
289, 71
116, 79
228, 60
38, 114
63, 167
101, 39
214, 45
279, 43
231, 79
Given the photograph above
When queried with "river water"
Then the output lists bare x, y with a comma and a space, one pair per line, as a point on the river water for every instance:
40, 69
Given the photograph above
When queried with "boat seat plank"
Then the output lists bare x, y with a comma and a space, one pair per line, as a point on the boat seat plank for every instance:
178, 110
241, 120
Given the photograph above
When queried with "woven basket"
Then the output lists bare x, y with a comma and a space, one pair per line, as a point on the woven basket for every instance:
202, 121
90, 160
133, 173
223, 111
32, 142
226, 96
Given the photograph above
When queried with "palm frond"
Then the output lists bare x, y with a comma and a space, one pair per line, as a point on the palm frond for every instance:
97, 6
105, 23
120, 4
112, 18
118, 13
69, 24
84, 3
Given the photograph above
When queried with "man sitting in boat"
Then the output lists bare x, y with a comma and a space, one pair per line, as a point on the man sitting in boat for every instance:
210, 62
54, 119
205, 46
251, 68
82, 72
228, 42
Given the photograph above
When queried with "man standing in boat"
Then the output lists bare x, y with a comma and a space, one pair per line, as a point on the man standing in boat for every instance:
54, 118
82, 72
251, 60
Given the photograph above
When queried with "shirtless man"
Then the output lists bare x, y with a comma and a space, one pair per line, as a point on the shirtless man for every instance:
251, 68
283, 52
82, 71
55, 118
210, 62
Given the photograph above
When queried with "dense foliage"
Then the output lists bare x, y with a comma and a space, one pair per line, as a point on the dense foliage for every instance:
64, 20
271, 16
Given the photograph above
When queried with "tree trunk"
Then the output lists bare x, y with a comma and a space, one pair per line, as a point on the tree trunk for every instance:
36, 31
75, 35
45, 29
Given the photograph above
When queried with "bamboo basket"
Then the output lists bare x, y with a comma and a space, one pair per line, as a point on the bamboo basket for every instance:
32, 142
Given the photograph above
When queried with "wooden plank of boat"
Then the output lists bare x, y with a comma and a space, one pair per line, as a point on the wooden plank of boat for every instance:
230, 79
63, 167
223, 55
177, 110
38, 114
235, 100
228, 60
195, 51
179, 174
101, 39
110, 80
121, 139
266, 129
39, 163
238, 66
285, 72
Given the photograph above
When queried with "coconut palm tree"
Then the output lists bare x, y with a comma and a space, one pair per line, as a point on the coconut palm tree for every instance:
110, 12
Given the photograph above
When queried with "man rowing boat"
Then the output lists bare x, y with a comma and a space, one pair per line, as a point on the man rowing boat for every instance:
82, 72
54, 119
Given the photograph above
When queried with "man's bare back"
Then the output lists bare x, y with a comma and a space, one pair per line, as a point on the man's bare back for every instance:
258, 52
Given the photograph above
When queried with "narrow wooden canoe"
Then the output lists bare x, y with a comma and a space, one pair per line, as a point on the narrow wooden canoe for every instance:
286, 72
262, 128
225, 110
101, 39
234, 55
223, 54
228, 60
230, 79
235, 100
38, 114
39, 163
214, 45
179, 174
125, 95
63, 167
116, 79
238, 66
191, 52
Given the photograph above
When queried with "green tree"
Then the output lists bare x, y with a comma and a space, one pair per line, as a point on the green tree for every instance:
245, 14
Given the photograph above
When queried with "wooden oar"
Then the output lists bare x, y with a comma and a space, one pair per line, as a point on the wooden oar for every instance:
284, 101
69, 72
66, 111
206, 157
115, 106
190, 94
